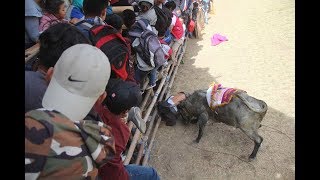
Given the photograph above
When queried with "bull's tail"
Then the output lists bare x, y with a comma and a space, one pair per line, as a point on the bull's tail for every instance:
263, 107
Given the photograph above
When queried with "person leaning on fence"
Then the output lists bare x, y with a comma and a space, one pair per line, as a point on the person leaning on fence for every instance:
95, 13
55, 12
121, 97
176, 30
59, 144
53, 42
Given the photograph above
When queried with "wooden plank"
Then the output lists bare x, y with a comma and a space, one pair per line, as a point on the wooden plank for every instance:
31, 52
119, 9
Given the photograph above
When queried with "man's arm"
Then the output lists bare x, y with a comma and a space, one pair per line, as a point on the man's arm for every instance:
32, 27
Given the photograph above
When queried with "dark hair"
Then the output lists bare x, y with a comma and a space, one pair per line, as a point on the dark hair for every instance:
129, 17
55, 40
195, 4
121, 95
52, 6
144, 6
170, 5
115, 21
94, 7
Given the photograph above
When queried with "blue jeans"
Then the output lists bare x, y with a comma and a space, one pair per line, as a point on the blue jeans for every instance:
153, 76
137, 172
139, 75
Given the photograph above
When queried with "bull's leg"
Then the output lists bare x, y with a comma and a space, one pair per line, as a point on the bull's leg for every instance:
253, 135
202, 121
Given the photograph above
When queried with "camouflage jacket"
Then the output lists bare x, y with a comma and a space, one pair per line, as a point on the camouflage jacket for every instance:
57, 148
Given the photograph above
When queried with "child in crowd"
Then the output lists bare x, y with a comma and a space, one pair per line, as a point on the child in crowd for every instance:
55, 12
121, 97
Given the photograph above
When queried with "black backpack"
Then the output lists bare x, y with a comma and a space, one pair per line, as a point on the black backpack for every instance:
111, 42
164, 18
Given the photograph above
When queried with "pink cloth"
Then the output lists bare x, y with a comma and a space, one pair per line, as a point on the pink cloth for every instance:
48, 20
217, 39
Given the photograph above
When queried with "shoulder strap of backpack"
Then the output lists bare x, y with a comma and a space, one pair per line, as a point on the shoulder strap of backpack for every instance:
85, 24
141, 26
107, 38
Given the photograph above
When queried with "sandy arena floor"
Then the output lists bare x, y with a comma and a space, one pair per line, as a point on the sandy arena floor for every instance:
259, 58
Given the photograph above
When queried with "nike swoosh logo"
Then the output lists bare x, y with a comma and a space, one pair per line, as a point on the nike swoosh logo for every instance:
74, 80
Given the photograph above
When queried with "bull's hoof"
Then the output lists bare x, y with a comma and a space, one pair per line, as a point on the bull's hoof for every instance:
196, 140
252, 157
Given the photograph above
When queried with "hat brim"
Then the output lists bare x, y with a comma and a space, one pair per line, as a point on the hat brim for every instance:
73, 106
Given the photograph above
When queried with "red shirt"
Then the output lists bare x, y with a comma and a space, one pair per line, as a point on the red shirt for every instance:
177, 29
114, 169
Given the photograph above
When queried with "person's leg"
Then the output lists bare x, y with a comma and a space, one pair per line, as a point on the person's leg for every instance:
137, 172
205, 7
139, 75
152, 79
175, 50
175, 47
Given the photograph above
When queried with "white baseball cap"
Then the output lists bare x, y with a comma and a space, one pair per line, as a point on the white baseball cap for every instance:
79, 77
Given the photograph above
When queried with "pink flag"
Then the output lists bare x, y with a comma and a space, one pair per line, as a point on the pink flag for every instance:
217, 39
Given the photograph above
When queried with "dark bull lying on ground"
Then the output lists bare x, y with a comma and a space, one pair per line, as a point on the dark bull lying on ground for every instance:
242, 111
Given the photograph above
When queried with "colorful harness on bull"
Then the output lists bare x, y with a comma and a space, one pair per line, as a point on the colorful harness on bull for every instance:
219, 96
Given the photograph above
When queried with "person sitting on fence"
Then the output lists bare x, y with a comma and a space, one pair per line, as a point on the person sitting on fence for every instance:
95, 13
121, 97
55, 11
53, 42
176, 29
32, 16
59, 144
149, 54
153, 73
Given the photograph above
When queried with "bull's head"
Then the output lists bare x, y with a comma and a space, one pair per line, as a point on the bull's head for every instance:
184, 113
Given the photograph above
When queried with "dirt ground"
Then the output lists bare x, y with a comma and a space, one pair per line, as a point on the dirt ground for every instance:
259, 58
